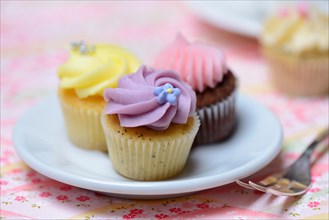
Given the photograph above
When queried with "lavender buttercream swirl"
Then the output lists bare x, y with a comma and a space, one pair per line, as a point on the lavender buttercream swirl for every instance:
151, 98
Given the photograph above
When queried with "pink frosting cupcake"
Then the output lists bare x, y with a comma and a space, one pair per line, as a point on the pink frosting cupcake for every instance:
204, 68
150, 124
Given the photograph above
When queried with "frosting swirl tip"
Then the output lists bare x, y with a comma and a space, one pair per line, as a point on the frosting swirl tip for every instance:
200, 65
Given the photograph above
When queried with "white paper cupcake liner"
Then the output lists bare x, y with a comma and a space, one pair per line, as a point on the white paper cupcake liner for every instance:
217, 121
149, 160
299, 77
83, 127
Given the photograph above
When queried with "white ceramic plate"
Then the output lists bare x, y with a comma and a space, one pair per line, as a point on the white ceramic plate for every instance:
40, 140
245, 17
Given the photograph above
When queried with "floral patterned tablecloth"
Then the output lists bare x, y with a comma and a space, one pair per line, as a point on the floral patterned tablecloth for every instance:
34, 36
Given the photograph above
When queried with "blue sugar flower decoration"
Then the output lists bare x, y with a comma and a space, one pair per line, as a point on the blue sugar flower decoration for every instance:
167, 93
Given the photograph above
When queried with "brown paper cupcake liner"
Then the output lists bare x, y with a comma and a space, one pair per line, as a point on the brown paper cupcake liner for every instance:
217, 121
149, 160
299, 77
84, 128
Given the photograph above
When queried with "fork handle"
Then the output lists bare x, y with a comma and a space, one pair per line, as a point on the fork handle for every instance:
316, 141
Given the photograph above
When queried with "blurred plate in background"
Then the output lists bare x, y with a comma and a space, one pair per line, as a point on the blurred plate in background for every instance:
243, 17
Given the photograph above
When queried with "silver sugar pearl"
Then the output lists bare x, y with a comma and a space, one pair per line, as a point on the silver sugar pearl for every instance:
76, 44
84, 49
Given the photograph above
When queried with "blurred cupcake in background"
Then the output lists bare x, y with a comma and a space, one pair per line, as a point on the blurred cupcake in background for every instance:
295, 42
204, 68
83, 79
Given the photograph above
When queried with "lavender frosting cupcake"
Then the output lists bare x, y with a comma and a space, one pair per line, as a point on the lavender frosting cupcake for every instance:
150, 124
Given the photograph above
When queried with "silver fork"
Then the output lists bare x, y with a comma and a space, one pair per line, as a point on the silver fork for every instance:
295, 180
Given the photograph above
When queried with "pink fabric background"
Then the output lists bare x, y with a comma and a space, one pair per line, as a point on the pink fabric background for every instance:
34, 37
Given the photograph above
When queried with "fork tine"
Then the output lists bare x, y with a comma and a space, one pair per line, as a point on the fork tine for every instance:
275, 188
282, 187
286, 192
243, 184
268, 181
297, 185
256, 186
282, 192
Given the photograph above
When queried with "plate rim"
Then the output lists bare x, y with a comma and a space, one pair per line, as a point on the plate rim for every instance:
142, 188
246, 27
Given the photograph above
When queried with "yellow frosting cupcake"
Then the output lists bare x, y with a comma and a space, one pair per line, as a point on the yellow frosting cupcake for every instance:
83, 78
295, 43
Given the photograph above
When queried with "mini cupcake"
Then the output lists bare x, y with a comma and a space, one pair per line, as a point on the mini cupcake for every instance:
204, 68
295, 43
149, 124
83, 78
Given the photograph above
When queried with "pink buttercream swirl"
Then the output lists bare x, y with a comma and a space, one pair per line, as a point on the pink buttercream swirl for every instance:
136, 104
198, 64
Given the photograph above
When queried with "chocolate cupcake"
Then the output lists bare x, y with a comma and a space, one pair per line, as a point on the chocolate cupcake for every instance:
204, 68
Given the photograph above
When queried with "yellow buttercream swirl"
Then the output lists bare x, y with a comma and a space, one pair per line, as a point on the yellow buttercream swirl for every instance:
91, 73
296, 33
